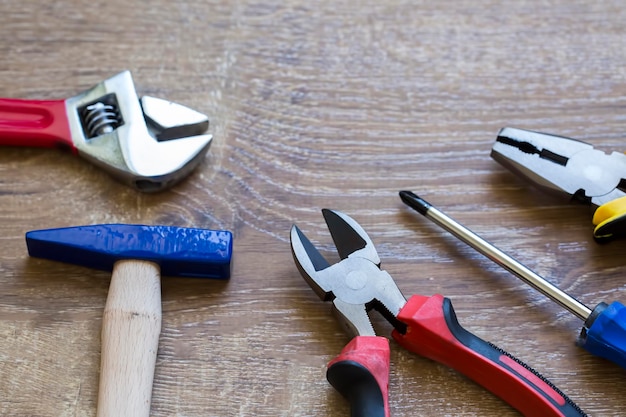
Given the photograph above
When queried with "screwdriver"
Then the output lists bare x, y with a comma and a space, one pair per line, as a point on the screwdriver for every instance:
604, 330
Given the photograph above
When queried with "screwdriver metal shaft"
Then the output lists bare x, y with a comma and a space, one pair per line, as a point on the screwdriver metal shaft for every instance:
496, 255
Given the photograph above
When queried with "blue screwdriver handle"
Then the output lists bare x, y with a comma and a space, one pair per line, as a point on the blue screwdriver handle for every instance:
604, 332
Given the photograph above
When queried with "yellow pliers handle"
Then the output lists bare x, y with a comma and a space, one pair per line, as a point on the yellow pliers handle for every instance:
610, 219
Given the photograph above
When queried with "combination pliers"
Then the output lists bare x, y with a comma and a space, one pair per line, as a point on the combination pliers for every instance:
571, 169
424, 325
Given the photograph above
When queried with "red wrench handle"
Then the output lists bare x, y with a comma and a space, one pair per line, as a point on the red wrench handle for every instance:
38, 123
361, 374
434, 332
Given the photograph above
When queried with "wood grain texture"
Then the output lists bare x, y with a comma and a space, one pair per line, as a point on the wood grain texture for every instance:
315, 104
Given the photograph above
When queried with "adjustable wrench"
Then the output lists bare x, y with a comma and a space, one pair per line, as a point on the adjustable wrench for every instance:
148, 143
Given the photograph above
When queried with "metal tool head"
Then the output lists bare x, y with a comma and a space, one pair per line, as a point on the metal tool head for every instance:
562, 166
150, 144
179, 251
356, 284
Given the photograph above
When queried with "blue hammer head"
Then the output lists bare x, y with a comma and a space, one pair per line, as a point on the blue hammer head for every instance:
179, 251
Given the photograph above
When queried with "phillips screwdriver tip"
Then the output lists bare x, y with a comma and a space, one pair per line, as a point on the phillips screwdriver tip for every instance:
414, 201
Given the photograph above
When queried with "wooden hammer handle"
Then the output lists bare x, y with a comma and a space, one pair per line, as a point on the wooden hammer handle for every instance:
131, 325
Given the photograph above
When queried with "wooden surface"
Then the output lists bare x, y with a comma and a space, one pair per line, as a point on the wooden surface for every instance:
312, 105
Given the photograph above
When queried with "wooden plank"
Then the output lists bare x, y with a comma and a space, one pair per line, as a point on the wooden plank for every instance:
314, 105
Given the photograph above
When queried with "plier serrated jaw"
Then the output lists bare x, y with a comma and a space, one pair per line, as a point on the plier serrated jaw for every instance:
562, 166
356, 284
572, 169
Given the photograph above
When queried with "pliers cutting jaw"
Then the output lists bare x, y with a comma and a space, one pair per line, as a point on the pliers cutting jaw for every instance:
571, 169
356, 284
424, 325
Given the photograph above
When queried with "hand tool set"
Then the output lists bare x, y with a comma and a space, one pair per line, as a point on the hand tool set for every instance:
151, 144
424, 325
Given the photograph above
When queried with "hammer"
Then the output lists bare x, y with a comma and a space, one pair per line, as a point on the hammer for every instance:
131, 322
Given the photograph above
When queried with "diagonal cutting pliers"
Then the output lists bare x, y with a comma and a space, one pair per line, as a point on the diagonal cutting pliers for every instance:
572, 169
424, 325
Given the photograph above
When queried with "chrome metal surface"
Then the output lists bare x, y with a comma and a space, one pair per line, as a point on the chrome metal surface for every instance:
496, 255
561, 166
129, 151
355, 284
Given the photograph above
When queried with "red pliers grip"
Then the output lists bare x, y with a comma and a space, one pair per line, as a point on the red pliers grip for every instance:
434, 332
424, 325
361, 374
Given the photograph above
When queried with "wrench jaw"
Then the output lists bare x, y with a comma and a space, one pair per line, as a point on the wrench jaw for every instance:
154, 166
168, 120
356, 284
122, 137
